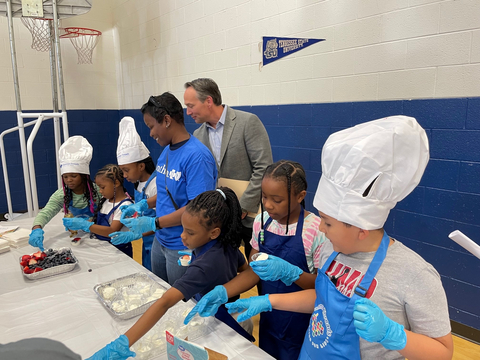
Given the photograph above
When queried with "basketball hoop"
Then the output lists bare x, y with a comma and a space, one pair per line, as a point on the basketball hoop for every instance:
40, 30
84, 40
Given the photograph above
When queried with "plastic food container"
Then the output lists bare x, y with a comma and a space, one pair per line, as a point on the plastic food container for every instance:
185, 260
129, 296
153, 344
260, 256
55, 270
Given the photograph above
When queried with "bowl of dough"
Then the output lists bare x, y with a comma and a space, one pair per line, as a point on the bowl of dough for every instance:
129, 296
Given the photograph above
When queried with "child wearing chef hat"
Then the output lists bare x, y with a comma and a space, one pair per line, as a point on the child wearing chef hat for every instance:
78, 195
138, 167
374, 298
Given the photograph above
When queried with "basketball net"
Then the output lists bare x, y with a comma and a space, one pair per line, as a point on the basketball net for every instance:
84, 41
40, 30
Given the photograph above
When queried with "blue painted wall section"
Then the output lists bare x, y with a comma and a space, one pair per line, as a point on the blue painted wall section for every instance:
447, 198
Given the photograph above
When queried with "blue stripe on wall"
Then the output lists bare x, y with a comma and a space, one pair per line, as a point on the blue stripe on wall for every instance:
447, 198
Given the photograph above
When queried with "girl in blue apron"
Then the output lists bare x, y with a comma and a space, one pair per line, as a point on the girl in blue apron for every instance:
78, 195
211, 229
138, 168
106, 219
283, 190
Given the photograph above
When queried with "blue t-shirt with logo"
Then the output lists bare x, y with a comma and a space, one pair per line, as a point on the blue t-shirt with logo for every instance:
191, 170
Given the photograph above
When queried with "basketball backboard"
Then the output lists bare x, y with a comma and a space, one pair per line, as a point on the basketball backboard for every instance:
65, 8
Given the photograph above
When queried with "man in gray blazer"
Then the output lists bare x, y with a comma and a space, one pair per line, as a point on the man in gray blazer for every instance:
238, 141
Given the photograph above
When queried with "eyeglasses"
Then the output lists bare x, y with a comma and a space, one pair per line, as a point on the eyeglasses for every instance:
155, 103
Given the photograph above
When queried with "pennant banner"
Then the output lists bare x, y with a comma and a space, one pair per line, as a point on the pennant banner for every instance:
275, 48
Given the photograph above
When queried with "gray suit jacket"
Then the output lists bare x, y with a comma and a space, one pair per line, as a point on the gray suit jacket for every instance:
244, 155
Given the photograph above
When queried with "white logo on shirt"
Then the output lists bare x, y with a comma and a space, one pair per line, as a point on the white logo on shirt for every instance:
172, 174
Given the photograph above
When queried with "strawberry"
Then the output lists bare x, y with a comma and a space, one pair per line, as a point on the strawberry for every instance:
37, 255
27, 270
26, 257
37, 269
24, 263
32, 262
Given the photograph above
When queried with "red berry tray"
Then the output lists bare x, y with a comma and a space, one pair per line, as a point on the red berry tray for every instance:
53, 270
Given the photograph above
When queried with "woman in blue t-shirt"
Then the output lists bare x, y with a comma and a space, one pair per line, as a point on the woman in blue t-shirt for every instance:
185, 169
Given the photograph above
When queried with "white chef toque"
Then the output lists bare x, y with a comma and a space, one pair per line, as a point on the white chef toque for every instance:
392, 153
75, 155
130, 148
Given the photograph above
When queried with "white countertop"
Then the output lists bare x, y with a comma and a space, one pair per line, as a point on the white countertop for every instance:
64, 307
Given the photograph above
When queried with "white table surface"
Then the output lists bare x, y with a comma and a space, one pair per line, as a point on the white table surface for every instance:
64, 307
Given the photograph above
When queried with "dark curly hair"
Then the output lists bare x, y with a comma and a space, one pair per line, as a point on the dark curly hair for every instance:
215, 210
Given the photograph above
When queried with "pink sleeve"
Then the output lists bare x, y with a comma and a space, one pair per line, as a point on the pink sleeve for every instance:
255, 231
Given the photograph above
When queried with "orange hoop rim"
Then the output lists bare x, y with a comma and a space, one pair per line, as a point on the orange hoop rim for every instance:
79, 31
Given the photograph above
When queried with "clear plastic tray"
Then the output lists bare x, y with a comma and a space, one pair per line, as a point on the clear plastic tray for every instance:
55, 270
137, 291
153, 345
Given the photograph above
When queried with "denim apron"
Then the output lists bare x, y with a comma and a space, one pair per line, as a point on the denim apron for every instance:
331, 333
102, 219
147, 240
281, 333
222, 312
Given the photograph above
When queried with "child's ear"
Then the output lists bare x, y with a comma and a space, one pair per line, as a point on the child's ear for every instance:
301, 195
215, 233
141, 166
363, 234
117, 183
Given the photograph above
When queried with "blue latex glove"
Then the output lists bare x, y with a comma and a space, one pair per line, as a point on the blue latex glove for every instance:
254, 305
116, 350
274, 269
209, 303
123, 237
140, 225
36, 238
131, 209
184, 252
77, 224
373, 325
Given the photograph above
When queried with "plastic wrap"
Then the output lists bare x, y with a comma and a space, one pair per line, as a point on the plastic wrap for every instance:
153, 344
129, 296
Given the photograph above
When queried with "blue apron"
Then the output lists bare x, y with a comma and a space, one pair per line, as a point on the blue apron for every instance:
102, 219
147, 240
84, 213
222, 312
281, 333
331, 333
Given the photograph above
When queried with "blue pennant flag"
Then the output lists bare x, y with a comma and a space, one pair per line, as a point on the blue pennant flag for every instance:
275, 48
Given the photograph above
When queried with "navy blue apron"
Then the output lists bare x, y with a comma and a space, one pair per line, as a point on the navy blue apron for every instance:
84, 213
331, 333
147, 240
222, 312
281, 333
102, 219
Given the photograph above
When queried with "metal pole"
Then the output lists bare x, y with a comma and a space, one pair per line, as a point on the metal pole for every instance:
60, 70
56, 122
31, 164
21, 129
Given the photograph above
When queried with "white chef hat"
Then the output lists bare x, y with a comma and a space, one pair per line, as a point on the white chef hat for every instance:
387, 157
130, 148
75, 155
